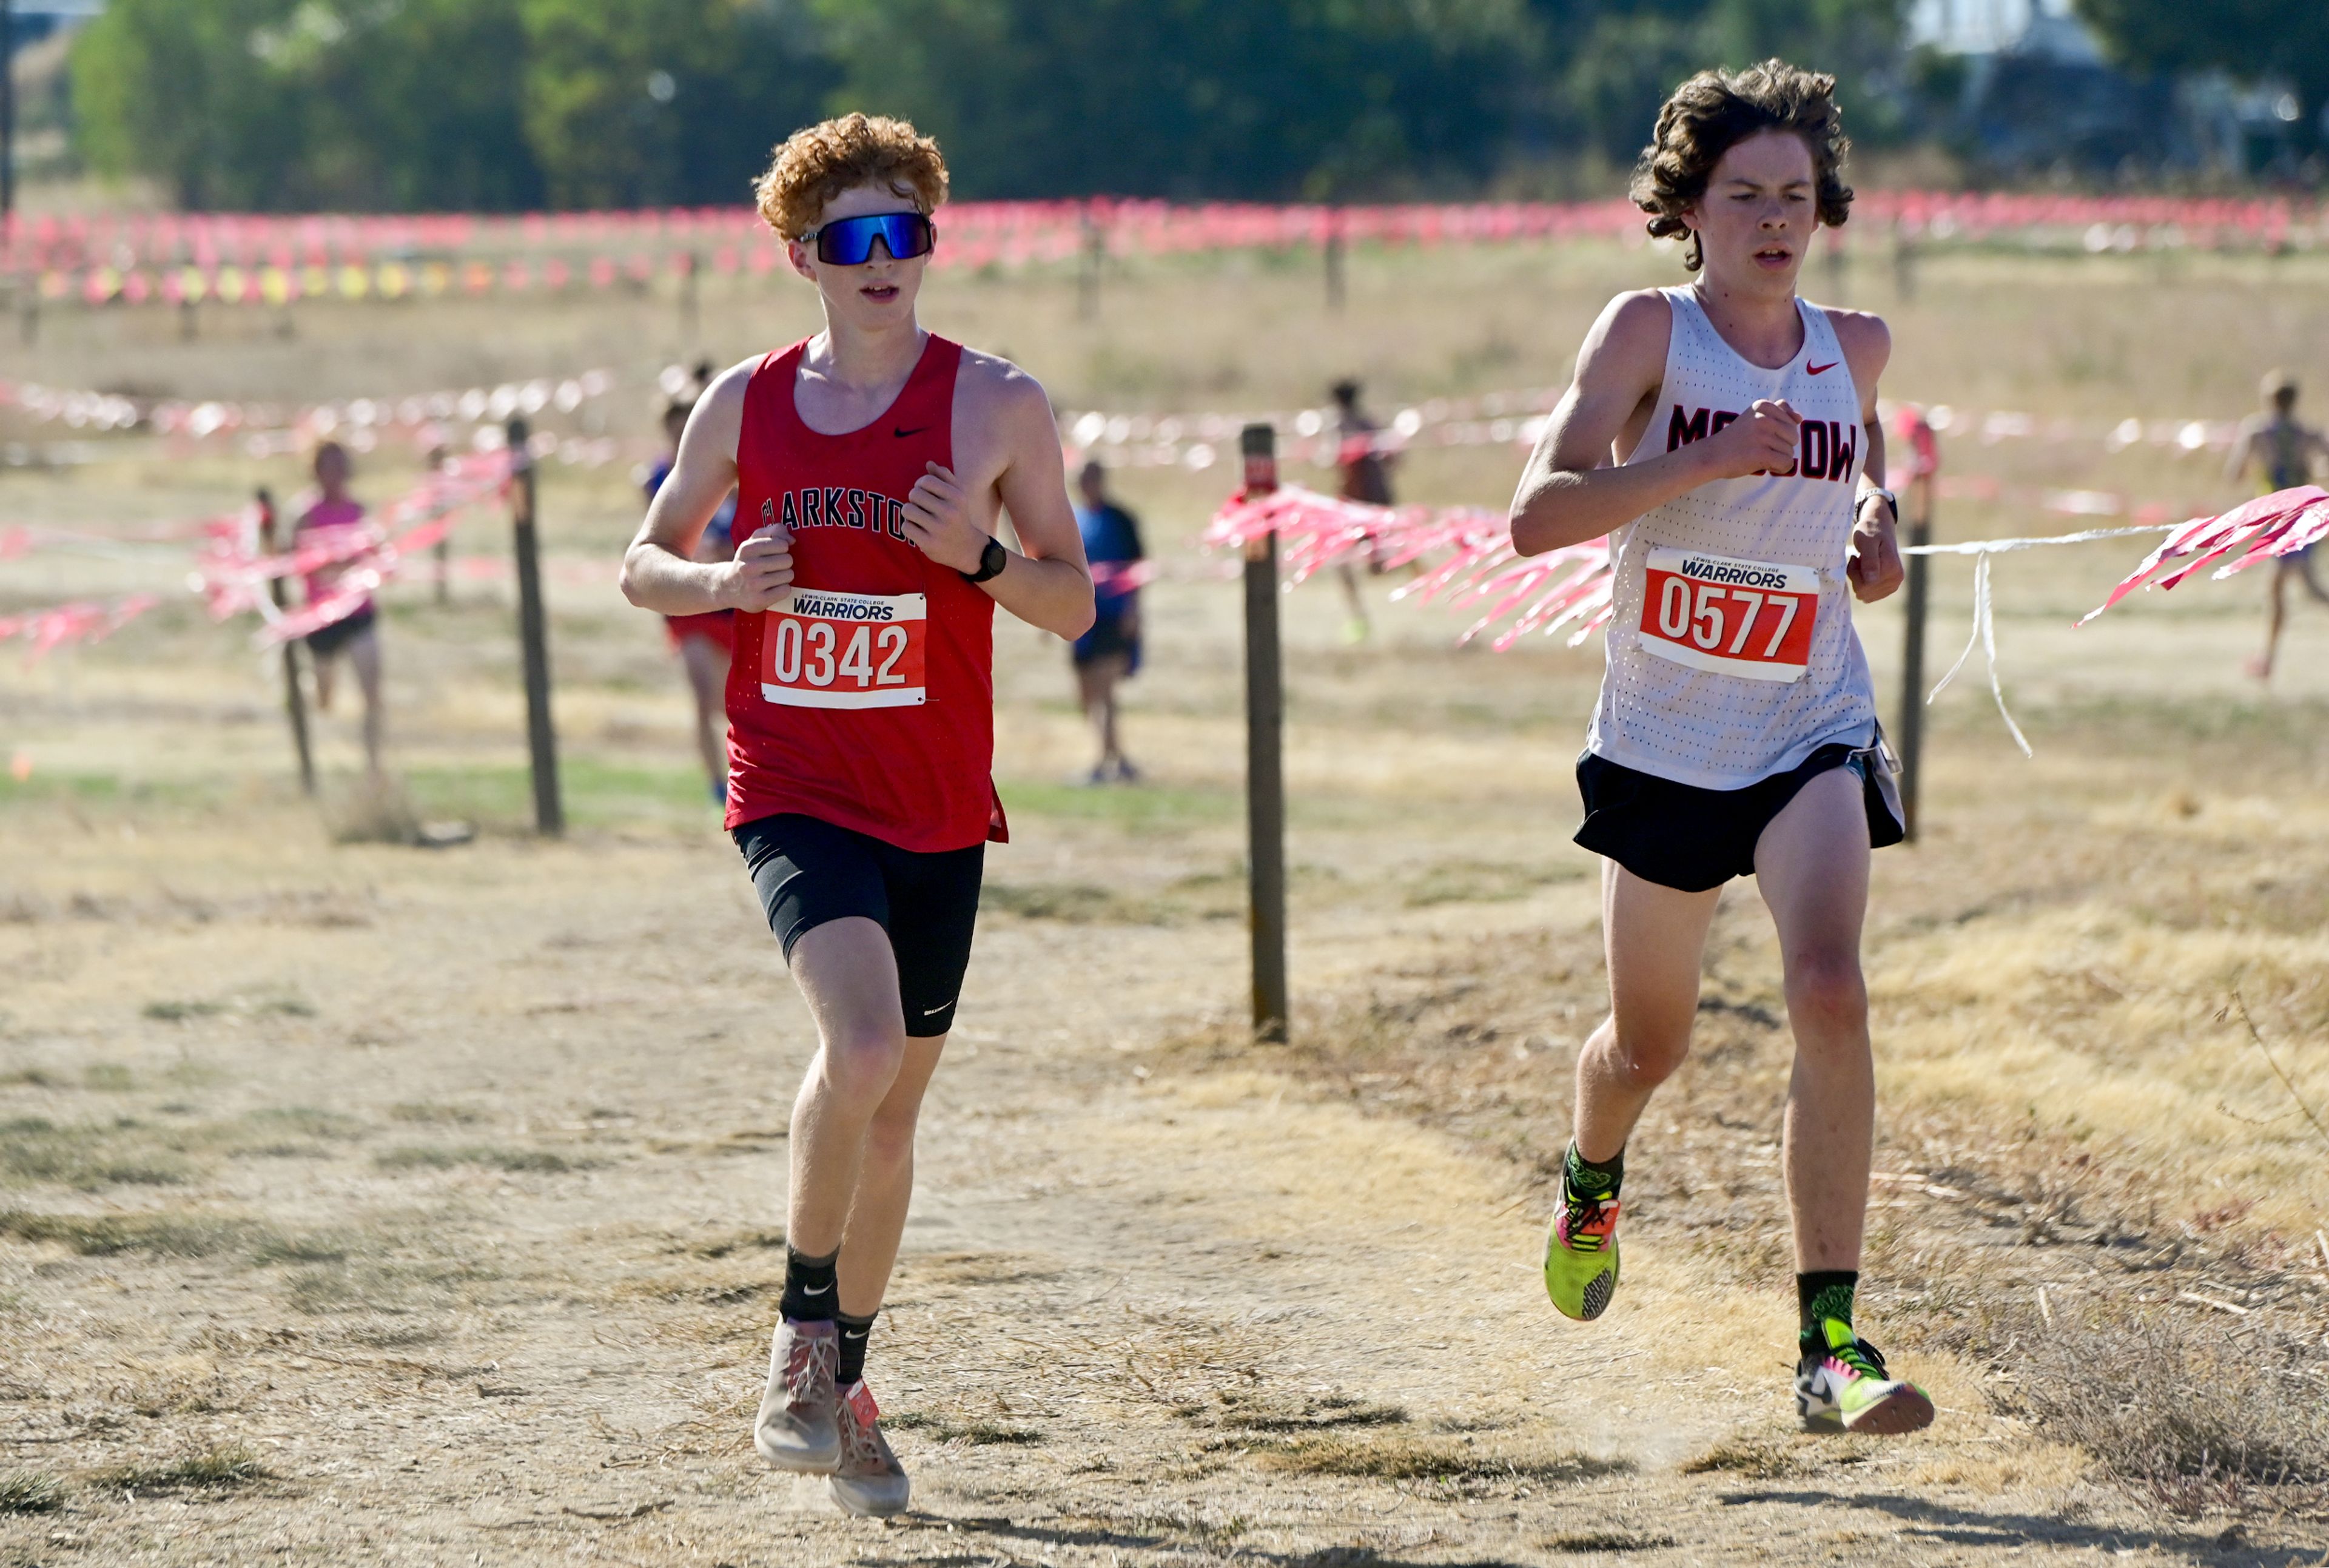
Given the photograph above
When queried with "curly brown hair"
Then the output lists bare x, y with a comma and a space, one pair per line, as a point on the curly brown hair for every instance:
1713, 112
818, 161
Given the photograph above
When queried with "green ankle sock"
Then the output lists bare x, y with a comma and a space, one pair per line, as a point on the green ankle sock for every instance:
1823, 1307
1596, 1180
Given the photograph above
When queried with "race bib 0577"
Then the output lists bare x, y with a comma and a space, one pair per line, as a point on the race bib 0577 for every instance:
846, 650
1750, 619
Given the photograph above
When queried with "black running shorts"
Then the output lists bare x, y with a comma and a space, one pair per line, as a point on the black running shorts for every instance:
327, 640
1691, 838
808, 871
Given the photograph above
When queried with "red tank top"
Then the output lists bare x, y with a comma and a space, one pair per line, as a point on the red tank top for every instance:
870, 702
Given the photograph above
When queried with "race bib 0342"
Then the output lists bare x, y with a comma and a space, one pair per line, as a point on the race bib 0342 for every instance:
1750, 619
846, 650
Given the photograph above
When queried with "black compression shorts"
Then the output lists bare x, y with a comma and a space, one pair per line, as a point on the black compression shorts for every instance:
326, 640
1691, 838
808, 871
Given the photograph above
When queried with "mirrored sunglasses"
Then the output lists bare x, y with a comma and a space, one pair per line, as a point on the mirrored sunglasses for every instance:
849, 241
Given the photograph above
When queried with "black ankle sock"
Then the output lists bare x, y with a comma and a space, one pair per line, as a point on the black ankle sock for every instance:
809, 1288
854, 1334
1823, 1294
1595, 1178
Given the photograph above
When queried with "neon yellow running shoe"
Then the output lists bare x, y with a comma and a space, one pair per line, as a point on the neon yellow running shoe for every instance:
1581, 1255
1843, 1386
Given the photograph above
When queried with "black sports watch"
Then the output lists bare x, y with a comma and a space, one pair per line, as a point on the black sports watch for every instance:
1890, 500
991, 562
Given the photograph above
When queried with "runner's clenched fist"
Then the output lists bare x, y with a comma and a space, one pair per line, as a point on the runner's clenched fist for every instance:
1762, 440
937, 519
761, 576
1874, 566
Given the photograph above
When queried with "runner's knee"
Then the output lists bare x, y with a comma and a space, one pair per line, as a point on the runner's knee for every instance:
861, 1064
1645, 1057
1826, 992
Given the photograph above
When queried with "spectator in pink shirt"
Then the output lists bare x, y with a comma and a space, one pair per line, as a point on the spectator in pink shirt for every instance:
334, 514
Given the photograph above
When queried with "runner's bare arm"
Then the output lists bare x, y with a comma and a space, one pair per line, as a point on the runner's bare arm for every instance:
1875, 567
1577, 485
1012, 438
660, 571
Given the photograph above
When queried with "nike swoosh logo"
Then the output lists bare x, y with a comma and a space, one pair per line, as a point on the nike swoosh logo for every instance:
901, 435
1817, 369
815, 1289
941, 1007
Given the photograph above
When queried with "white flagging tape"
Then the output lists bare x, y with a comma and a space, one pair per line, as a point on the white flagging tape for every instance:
1985, 623
1998, 546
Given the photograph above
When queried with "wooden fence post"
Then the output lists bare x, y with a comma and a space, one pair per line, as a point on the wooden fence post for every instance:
1265, 776
295, 699
1335, 289
1912, 658
443, 548
1095, 247
533, 633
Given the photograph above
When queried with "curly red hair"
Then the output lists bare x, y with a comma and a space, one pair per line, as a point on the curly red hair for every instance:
818, 161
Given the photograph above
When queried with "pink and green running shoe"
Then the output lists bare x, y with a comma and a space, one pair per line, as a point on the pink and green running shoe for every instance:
1843, 1386
1581, 1255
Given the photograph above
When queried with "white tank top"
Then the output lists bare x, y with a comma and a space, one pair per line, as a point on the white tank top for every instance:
1714, 678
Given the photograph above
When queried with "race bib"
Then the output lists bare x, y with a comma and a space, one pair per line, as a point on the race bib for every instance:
846, 650
1749, 618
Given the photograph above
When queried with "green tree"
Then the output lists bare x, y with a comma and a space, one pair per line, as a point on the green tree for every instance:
1615, 61
1189, 98
172, 88
299, 104
639, 102
2250, 39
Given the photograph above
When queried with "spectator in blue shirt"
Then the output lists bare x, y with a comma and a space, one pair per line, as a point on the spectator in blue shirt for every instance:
1109, 653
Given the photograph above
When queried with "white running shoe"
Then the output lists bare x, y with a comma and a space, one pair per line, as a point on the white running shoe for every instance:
869, 1481
798, 1428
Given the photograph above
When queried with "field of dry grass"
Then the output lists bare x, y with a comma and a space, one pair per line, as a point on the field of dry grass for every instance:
364, 1201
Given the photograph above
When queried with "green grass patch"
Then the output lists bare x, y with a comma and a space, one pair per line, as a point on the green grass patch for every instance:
1265, 1413
1483, 882
540, 1161
1584, 1541
1413, 1458
595, 794
1762, 1458
108, 1078
1209, 896
103, 1235
358, 1286
127, 1151
31, 1492
107, 790
176, 1011
976, 1433
428, 1113
88, 1156
1139, 808
216, 1469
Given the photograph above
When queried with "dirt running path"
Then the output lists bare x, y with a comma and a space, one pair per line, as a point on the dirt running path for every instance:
457, 1203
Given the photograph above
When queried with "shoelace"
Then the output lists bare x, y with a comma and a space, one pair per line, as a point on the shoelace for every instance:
812, 1361
1585, 1229
860, 1440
